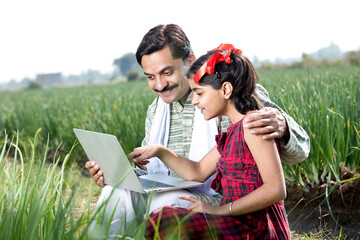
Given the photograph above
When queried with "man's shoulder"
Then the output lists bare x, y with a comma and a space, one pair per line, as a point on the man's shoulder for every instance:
261, 90
225, 123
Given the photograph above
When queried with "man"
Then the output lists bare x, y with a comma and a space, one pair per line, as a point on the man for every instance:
165, 55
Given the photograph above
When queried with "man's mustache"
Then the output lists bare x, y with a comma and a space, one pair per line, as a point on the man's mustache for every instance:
167, 88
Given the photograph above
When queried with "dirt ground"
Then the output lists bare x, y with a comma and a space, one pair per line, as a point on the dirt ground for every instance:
308, 211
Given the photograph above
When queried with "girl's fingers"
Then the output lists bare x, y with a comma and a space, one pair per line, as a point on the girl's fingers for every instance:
195, 207
188, 198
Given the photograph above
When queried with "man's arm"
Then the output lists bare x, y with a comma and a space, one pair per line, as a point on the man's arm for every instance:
294, 141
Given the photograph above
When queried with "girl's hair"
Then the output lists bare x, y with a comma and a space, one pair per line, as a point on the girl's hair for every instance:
240, 73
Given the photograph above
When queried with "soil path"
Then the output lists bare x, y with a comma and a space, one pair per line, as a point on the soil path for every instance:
308, 210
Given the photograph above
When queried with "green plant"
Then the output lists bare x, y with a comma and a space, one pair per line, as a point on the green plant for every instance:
32, 205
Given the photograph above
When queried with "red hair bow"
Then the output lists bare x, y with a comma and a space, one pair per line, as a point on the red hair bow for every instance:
209, 66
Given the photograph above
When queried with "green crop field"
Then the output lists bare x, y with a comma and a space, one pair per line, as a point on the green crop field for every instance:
324, 101
119, 109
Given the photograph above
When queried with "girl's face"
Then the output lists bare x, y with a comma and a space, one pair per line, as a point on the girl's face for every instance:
211, 102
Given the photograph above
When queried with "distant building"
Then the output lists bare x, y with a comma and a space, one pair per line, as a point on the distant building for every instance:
49, 79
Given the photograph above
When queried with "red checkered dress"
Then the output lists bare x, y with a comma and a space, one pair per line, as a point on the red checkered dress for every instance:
237, 176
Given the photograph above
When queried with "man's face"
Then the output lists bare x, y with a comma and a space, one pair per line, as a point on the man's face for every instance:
166, 75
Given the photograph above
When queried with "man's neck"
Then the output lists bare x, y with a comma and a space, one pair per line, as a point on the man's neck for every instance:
182, 100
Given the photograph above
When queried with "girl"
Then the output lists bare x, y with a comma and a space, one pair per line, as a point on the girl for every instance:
249, 173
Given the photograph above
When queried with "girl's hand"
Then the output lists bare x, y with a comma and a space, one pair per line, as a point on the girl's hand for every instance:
200, 206
141, 154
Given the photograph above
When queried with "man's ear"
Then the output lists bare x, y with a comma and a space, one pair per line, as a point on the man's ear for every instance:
227, 89
190, 60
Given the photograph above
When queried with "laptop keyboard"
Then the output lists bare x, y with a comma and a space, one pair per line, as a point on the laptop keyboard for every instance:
149, 184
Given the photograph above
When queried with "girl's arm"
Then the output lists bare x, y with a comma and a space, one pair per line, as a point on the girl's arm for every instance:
189, 170
273, 190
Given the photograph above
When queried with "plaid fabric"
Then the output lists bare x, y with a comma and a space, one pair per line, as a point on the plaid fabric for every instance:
204, 226
237, 176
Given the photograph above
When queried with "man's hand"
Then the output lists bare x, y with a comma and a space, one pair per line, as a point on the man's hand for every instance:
96, 173
269, 122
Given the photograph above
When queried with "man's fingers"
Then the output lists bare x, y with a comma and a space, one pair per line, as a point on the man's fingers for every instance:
100, 182
259, 123
252, 117
268, 110
98, 175
263, 130
89, 164
94, 169
261, 114
271, 136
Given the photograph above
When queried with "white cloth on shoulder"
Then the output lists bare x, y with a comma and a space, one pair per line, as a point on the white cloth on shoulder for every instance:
203, 140
159, 134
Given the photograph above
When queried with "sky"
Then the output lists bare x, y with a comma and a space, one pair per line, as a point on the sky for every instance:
72, 36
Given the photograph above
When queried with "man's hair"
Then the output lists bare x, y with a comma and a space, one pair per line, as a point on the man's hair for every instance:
161, 36
240, 73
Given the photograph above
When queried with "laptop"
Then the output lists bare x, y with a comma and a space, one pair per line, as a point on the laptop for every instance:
106, 151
